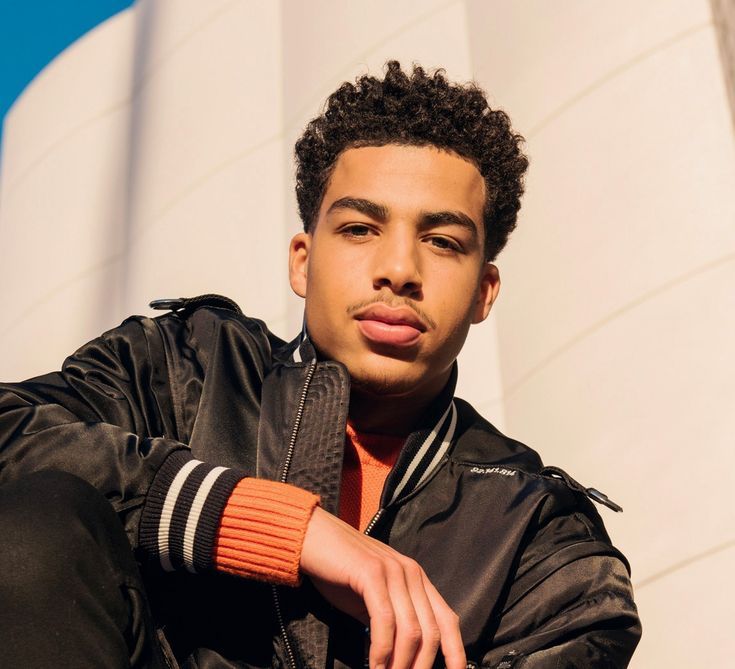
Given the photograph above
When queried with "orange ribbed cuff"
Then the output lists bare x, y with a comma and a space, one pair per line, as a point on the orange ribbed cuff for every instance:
262, 531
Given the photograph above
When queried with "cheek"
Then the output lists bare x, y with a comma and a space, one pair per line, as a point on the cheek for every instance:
331, 290
456, 295
344, 274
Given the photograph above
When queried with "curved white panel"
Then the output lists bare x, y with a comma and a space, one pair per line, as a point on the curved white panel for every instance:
687, 615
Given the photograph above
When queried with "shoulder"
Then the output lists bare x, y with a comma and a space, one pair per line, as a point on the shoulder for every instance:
206, 315
201, 321
484, 453
199, 330
566, 584
480, 442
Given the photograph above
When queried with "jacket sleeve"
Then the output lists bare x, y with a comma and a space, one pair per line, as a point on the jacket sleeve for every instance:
109, 417
571, 603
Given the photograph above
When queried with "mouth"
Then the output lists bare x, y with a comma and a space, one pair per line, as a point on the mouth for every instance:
391, 326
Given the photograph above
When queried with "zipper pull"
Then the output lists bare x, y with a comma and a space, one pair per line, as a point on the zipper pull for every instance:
601, 498
594, 494
168, 304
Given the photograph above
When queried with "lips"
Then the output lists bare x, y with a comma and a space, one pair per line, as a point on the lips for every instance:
391, 326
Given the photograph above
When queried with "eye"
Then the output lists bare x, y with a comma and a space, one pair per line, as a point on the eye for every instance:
444, 244
355, 230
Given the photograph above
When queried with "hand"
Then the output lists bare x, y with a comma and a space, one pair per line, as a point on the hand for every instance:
409, 621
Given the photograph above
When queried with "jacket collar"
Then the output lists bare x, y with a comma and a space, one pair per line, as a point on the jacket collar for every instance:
299, 350
425, 447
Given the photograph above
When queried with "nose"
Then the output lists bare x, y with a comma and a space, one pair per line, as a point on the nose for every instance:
397, 265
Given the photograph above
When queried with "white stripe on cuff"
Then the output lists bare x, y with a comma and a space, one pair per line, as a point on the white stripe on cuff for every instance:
195, 513
169, 503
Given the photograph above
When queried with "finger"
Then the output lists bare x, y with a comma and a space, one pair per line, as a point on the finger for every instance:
449, 630
408, 627
382, 619
430, 632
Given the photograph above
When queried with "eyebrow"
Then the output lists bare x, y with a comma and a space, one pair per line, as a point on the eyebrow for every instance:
378, 212
381, 213
433, 219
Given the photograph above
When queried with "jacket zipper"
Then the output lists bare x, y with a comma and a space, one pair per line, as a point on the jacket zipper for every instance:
284, 475
282, 626
373, 521
297, 422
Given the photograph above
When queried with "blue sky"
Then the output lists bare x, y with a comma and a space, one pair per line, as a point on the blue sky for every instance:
33, 32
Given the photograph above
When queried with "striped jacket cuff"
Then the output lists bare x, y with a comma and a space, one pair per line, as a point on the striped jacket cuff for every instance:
183, 510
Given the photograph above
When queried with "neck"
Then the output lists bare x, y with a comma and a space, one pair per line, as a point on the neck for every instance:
383, 413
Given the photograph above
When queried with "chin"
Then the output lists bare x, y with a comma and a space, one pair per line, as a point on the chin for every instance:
390, 377
382, 383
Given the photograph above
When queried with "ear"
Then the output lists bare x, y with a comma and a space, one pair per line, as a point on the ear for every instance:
298, 262
487, 292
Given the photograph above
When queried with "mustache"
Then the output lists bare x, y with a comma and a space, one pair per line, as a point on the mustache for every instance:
393, 303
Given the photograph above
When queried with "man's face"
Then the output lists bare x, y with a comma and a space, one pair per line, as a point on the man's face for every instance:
393, 272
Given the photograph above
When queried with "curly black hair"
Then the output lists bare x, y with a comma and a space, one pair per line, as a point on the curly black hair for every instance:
416, 110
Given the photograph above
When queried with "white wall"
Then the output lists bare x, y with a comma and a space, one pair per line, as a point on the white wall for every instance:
65, 150
617, 328
153, 158
145, 161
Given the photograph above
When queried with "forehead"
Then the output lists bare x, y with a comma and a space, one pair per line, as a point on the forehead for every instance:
408, 178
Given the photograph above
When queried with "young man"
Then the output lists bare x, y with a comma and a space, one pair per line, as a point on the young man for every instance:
241, 467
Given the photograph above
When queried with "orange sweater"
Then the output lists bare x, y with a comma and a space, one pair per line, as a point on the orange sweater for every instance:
263, 524
367, 463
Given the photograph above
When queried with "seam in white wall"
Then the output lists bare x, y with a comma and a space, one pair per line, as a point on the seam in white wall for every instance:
51, 148
513, 387
133, 241
147, 73
80, 276
60, 287
615, 72
136, 89
202, 179
682, 564
309, 108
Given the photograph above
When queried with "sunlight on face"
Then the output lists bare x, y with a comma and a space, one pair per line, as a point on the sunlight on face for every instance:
393, 272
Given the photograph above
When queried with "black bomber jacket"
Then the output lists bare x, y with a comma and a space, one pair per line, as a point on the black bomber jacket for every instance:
160, 411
